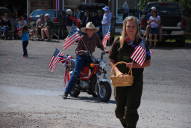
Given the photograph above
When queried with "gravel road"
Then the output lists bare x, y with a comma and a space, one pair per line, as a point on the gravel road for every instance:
31, 95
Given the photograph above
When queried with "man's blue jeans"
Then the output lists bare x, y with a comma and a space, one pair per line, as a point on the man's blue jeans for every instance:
105, 29
81, 61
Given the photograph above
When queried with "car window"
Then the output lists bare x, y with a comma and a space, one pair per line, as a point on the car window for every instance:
51, 13
38, 12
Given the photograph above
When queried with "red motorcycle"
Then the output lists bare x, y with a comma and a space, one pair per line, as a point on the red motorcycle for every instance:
93, 78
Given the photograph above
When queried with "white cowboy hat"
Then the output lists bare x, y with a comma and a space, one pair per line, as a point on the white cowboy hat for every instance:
91, 26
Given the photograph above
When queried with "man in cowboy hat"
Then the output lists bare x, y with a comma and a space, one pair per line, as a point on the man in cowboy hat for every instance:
84, 51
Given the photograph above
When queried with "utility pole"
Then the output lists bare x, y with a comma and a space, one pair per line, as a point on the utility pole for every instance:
63, 5
112, 4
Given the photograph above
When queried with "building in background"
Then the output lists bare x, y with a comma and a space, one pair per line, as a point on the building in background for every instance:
16, 7
22, 6
39, 4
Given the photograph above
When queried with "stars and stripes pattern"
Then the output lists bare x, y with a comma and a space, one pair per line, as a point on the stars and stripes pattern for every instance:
105, 39
72, 37
55, 59
139, 54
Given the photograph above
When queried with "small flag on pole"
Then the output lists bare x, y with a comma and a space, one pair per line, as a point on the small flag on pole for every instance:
72, 37
139, 54
105, 39
55, 59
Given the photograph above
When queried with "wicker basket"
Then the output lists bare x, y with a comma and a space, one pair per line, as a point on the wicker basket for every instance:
122, 80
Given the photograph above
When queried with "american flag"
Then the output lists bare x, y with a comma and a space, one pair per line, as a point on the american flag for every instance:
72, 37
66, 77
105, 39
139, 54
55, 59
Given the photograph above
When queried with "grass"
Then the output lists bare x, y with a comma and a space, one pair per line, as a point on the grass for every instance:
172, 40
188, 40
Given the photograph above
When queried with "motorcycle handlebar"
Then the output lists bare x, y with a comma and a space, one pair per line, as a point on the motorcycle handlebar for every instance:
65, 58
103, 53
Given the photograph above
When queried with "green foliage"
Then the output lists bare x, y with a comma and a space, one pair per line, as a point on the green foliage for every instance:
142, 4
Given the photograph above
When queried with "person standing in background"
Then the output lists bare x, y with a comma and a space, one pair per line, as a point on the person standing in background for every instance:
6, 24
84, 18
69, 21
154, 23
97, 22
20, 24
25, 40
106, 20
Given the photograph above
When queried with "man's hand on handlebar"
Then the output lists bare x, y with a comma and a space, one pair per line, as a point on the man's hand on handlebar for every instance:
80, 52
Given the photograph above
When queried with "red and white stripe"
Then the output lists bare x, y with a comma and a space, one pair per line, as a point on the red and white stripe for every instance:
105, 39
66, 77
139, 55
54, 60
70, 40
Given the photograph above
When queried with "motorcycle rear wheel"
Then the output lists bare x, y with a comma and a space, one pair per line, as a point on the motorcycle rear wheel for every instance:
104, 91
75, 92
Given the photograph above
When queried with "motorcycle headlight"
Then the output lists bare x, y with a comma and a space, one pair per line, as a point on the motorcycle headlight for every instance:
92, 65
102, 64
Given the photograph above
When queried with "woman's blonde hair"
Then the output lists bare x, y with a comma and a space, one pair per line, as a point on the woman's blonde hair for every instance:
123, 33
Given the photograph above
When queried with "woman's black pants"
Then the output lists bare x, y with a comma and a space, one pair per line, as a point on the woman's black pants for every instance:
128, 100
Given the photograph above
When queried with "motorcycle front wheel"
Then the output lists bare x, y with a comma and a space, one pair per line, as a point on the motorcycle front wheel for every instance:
104, 91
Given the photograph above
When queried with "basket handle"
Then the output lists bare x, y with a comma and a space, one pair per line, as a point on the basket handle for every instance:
121, 62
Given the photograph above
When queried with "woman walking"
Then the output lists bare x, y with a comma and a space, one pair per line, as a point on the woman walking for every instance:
154, 23
128, 98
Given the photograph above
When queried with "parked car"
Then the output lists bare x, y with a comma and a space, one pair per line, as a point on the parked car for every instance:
172, 22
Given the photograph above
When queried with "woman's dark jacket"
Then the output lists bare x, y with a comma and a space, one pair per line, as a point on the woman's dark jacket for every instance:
123, 54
